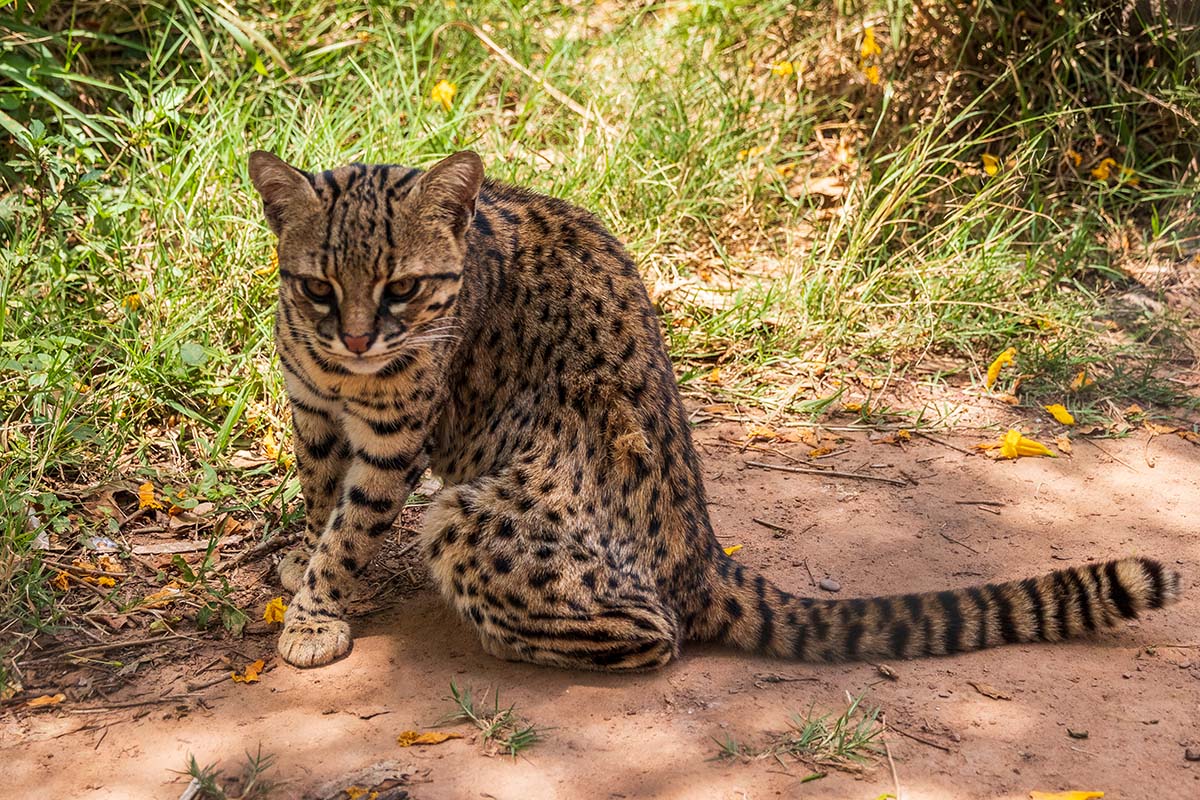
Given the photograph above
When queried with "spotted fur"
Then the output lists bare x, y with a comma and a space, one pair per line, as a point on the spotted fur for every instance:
505, 340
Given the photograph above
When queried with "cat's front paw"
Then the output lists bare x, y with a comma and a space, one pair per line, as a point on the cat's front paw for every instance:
291, 569
314, 642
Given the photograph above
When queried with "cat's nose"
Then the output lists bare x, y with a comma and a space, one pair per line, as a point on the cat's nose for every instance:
358, 344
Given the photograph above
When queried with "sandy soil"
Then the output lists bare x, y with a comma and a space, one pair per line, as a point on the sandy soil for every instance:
1135, 691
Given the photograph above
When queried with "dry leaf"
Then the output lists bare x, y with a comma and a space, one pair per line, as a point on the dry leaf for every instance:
1081, 381
62, 581
993, 371
1133, 409
251, 673
1076, 795
1061, 414
275, 610
714, 376
1159, 430
161, 598
853, 408
760, 433
410, 738
46, 700
733, 548
820, 451
988, 690
1063, 443
146, 496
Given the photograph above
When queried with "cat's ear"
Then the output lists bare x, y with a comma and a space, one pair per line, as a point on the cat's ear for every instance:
287, 192
451, 187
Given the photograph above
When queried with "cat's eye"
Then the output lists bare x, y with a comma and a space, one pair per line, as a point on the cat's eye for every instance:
317, 291
401, 290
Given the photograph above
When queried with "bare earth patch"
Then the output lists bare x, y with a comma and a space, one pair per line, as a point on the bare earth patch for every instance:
1134, 691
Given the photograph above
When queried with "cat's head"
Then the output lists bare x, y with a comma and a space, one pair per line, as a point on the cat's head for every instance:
370, 257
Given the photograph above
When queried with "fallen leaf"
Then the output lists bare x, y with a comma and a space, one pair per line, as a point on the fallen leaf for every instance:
853, 408
357, 792
1101, 171
251, 673
1063, 443
1190, 436
1036, 795
46, 700
62, 581
275, 610
1159, 430
760, 433
820, 451
161, 598
991, 164
987, 690
410, 738
1074, 157
1060, 413
1133, 409
1081, 381
146, 496
733, 548
993, 371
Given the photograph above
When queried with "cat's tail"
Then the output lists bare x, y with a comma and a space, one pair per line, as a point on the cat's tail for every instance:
747, 611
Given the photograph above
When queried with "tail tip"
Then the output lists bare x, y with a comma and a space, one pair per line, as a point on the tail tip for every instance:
1158, 584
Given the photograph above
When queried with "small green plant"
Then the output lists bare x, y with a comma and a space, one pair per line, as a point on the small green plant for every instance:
214, 589
250, 785
502, 728
846, 741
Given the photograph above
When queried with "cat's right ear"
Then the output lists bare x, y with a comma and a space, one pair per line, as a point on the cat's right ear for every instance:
287, 192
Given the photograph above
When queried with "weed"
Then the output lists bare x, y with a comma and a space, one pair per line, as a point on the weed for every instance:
502, 729
207, 782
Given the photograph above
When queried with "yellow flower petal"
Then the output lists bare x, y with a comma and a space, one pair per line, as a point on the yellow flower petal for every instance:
1014, 445
733, 548
62, 581
251, 673
872, 73
410, 738
45, 700
1102, 170
1061, 414
1074, 157
714, 376
146, 496
991, 164
1081, 381
783, 69
132, 302
444, 93
1076, 795
994, 368
275, 610
869, 46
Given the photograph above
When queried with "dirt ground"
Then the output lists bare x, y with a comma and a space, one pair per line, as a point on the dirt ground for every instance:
1135, 691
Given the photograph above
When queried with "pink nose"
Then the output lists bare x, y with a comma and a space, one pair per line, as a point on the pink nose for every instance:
357, 344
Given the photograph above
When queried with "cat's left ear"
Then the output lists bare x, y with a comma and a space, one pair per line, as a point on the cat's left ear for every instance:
287, 192
451, 187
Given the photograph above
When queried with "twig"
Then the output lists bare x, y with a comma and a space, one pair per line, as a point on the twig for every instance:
980, 503
183, 547
1110, 455
811, 579
942, 442
771, 525
891, 726
891, 764
949, 538
171, 698
195, 687
503, 55
260, 549
97, 648
827, 472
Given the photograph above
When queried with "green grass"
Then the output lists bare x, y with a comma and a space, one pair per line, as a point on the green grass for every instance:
502, 729
136, 310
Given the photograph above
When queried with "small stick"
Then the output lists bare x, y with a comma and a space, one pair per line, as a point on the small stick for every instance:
97, 648
1110, 455
130, 704
892, 727
195, 687
260, 549
771, 525
827, 472
980, 503
948, 538
811, 579
891, 764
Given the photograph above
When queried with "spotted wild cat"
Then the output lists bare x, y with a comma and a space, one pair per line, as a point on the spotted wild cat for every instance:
505, 340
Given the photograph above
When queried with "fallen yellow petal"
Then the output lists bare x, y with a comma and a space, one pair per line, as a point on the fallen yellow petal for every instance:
1060, 413
733, 548
991, 164
1036, 795
869, 46
132, 302
820, 451
872, 73
1074, 157
62, 581
410, 738
444, 93
784, 69
1133, 409
1101, 171
146, 496
275, 610
251, 673
993, 371
1014, 445
714, 376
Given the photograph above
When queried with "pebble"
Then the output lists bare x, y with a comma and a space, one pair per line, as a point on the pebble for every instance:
829, 585
1191, 755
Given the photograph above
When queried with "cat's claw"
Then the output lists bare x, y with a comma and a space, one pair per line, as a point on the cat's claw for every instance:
312, 643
